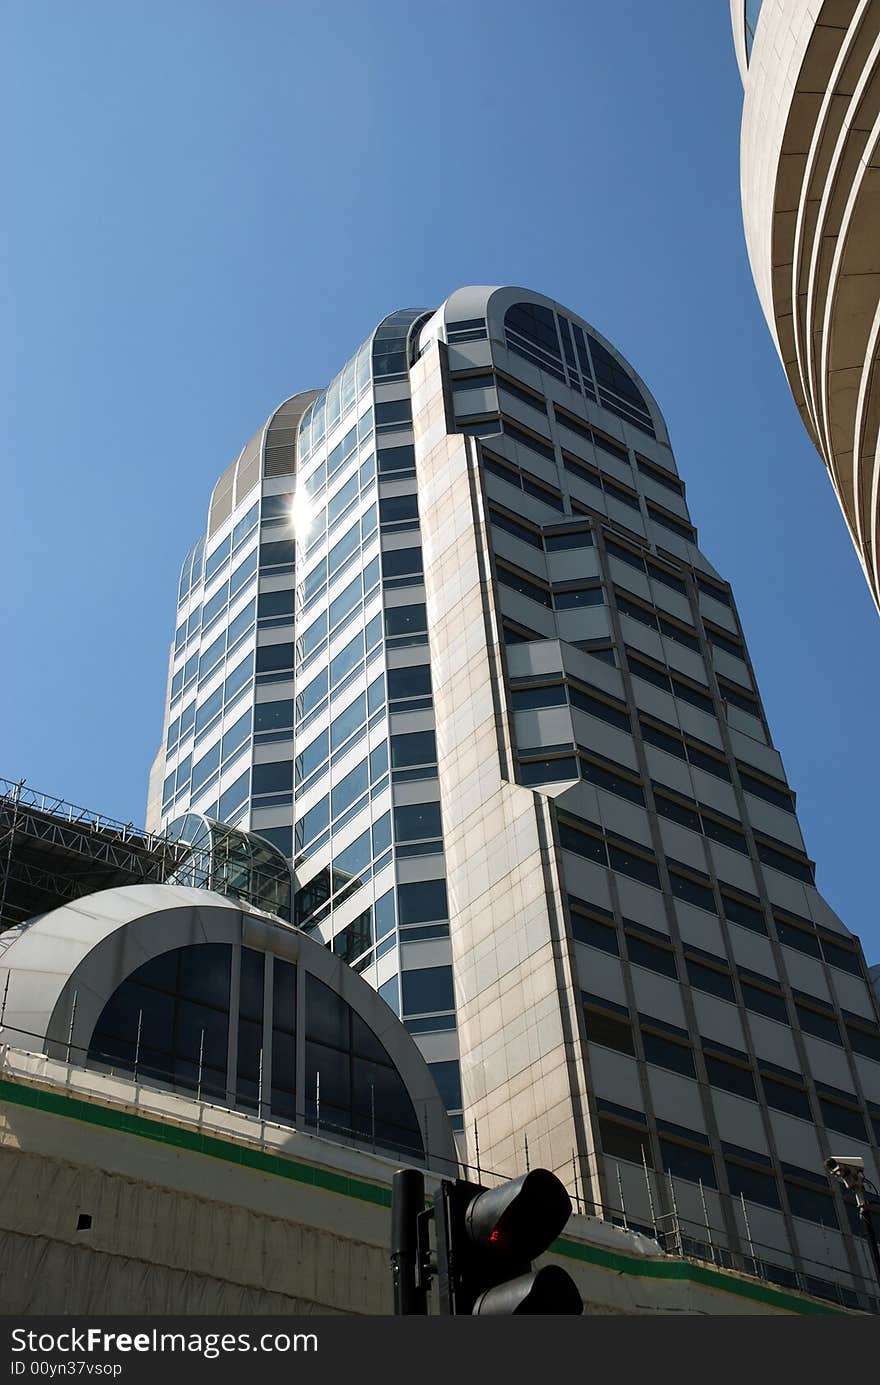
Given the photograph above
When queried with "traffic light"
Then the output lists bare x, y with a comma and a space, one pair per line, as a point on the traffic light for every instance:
487, 1239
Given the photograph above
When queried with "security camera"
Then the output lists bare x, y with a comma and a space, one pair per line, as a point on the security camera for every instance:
850, 1169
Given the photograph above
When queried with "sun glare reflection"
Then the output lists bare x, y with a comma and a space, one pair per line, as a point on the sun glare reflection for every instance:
302, 515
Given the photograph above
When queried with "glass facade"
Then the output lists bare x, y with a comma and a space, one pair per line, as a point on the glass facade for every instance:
170, 1022
301, 691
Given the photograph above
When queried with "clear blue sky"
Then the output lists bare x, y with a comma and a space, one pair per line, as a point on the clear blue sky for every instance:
209, 205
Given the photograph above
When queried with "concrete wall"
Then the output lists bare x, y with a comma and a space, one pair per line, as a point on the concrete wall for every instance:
196, 1210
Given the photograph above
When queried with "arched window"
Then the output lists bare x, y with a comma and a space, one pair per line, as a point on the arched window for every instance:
617, 390
171, 1020
532, 331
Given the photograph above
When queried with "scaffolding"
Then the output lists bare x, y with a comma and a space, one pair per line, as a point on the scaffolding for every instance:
53, 852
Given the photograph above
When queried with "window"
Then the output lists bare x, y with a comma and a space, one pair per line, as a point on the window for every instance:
402, 622
693, 696
172, 1016
665, 1053
608, 1031
624, 1142
428, 989
548, 771
275, 658
721, 832
836, 955
344, 603
516, 527
354, 939
519, 435
400, 562
347, 722
683, 1161
530, 331
524, 396
799, 938
422, 901
784, 1097
507, 577
614, 780
314, 755
575, 597
865, 1041
349, 788
740, 697
398, 508
411, 681
313, 822
677, 812
447, 1078
645, 954
273, 778
746, 915
776, 794
390, 412
704, 978
414, 748
843, 1119
673, 523
799, 868
468, 329
617, 391
818, 1022
659, 474
615, 715
416, 822
638, 867
730, 1077
397, 459
549, 695
811, 1204
752, 1184
205, 768
273, 716
571, 538
686, 888
720, 640
594, 932
277, 553
474, 382
663, 740
769, 1003
573, 838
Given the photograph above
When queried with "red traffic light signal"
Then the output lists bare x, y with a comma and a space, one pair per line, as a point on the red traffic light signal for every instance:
487, 1239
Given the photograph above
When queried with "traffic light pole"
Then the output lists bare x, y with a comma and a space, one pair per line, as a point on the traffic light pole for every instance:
408, 1253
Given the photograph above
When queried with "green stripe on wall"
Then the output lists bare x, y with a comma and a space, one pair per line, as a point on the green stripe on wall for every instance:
282, 1166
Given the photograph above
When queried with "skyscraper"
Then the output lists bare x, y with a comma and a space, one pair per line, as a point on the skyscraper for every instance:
450, 643
810, 164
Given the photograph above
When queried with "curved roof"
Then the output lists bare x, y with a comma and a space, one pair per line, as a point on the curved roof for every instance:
491, 302
60, 971
270, 452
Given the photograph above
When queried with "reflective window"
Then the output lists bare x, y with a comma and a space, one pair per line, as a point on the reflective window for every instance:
351, 1083
427, 989
169, 1020
416, 821
422, 901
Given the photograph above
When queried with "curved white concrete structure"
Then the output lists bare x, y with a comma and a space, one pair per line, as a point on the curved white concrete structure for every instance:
810, 174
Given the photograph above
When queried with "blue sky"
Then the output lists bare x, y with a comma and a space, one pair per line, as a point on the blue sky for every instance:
210, 205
